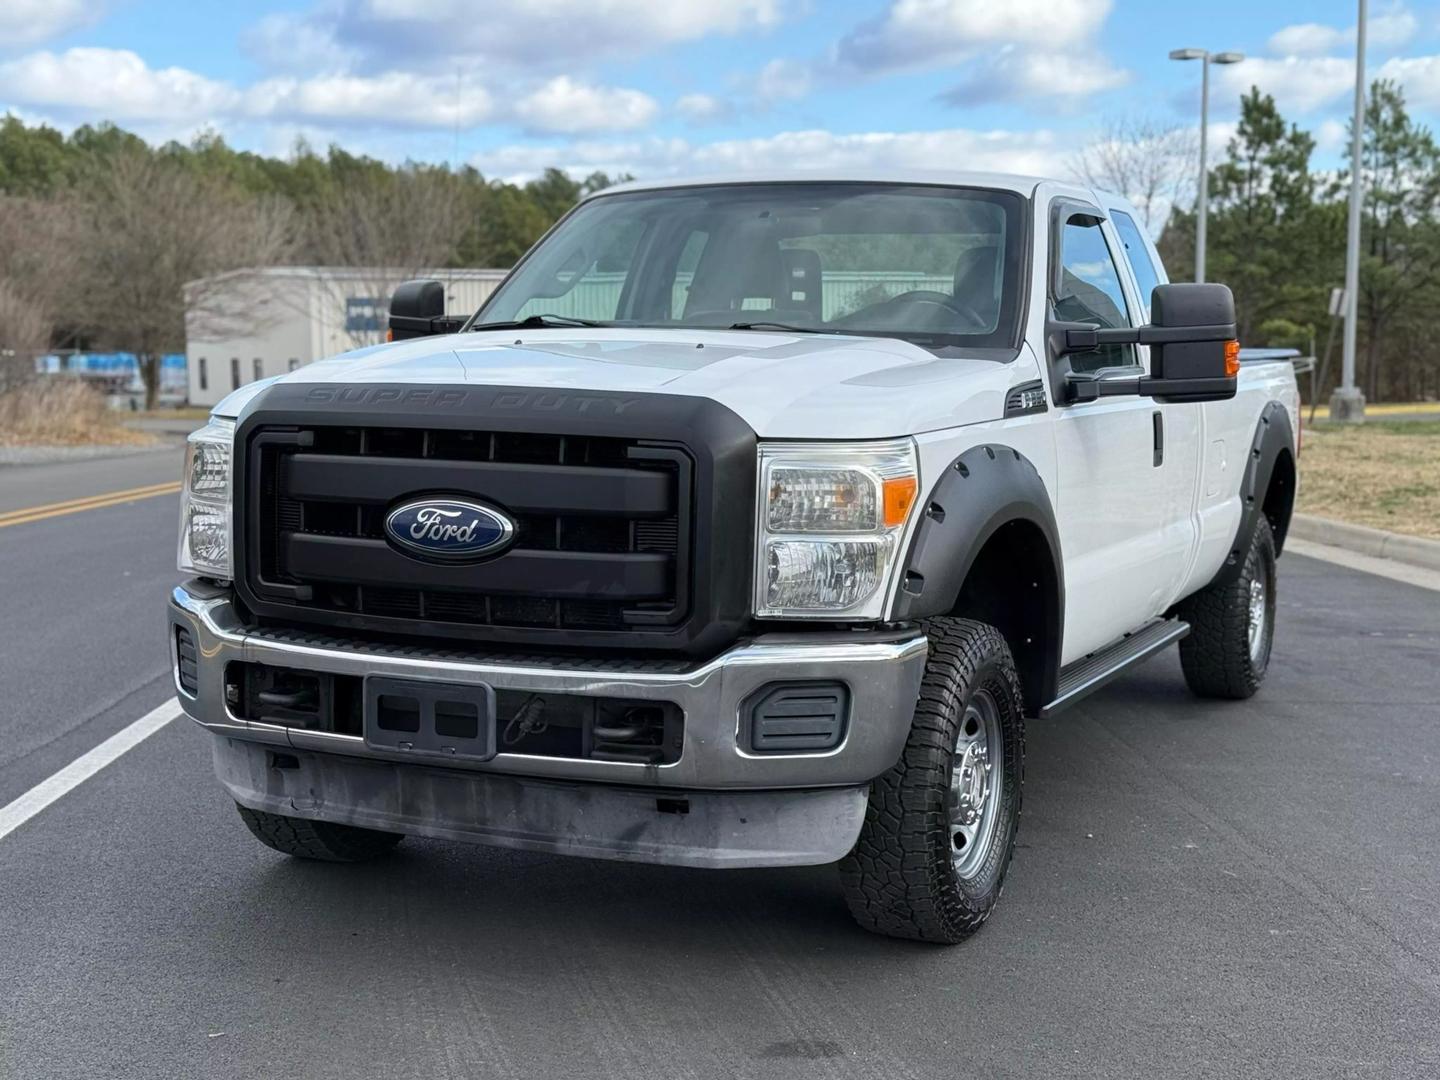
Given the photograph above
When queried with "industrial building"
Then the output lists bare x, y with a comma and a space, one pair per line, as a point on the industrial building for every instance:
253, 323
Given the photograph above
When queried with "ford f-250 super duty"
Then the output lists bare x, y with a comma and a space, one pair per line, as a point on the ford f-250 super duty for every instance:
744, 525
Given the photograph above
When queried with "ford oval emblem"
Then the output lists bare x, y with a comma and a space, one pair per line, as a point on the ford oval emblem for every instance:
451, 529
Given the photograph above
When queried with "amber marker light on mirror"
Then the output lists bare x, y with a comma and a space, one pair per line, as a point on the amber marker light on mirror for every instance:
1232, 358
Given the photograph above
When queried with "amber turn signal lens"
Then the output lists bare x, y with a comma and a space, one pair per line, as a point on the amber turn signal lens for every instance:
899, 497
389, 335
1232, 358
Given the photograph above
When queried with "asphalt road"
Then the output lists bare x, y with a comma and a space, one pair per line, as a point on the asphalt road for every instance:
1201, 889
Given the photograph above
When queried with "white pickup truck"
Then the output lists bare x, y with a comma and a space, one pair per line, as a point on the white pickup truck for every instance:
744, 525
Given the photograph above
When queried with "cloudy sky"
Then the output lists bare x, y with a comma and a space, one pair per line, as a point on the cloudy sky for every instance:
672, 86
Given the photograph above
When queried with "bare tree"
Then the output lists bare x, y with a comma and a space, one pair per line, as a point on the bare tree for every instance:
36, 270
385, 228
148, 227
1150, 163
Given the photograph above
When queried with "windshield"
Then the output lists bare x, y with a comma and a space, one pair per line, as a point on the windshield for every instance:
937, 266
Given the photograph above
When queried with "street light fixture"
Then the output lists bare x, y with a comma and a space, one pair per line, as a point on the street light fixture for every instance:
1202, 203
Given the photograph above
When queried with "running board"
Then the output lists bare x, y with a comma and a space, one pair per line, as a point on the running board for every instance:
1085, 676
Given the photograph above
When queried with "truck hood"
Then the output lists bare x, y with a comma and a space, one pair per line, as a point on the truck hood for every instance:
794, 386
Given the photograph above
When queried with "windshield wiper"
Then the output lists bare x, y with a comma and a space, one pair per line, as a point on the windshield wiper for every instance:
781, 326
531, 321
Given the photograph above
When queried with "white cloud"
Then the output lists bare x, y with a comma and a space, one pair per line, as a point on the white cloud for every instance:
1298, 84
394, 99
1019, 76
28, 22
113, 84
783, 80
117, 84
1419, 76
703, 108
565, 106
1306, 39
1330, 136
525, 34
915, 34
1032, 152
1387, 30
300, 43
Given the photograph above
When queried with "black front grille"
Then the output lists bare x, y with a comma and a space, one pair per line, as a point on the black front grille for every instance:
601, 540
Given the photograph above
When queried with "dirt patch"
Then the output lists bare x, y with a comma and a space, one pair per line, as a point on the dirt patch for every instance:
1383, 475
62, 412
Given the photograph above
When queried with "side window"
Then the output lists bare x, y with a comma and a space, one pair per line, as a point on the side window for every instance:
1090, 292
1146, 276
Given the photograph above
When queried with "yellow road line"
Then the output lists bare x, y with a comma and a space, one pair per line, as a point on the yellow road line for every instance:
93, 502
27, 510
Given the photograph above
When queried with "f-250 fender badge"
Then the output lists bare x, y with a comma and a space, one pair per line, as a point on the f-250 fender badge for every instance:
453, 530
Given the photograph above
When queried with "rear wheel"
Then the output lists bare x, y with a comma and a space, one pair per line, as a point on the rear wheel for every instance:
1232, 626
940, 828
323, 840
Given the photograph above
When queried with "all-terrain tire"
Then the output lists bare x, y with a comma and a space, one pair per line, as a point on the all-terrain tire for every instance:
1217, 655
323, 840
901, 878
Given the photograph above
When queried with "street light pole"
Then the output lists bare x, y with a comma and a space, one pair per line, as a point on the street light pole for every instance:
1202, 201
1348, 403
1202, 204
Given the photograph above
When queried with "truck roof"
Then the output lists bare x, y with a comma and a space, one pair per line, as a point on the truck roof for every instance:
1024, 185
1017, 182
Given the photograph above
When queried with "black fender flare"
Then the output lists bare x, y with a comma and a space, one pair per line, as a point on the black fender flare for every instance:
986, 488
1273, 437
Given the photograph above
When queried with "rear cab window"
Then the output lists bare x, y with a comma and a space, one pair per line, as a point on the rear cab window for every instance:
1144, 265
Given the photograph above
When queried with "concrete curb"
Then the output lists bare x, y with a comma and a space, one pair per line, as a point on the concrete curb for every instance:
1367, 541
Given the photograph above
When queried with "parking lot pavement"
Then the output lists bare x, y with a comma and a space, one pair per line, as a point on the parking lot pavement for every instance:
1201, 889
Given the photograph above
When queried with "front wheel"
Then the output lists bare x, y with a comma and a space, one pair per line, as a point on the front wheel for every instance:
940, 828
326, 841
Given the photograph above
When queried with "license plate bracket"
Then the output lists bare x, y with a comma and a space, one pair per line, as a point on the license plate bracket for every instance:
447, 721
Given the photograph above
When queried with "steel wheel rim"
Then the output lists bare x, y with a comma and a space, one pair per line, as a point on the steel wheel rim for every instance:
976, 783
1257, 628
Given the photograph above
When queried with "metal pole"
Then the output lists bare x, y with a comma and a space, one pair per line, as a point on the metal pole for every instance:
1348, 403
1202, 204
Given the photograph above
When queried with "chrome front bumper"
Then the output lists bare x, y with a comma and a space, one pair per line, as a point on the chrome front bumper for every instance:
883, 676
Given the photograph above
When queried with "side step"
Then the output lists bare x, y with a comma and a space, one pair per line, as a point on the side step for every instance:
1090, 673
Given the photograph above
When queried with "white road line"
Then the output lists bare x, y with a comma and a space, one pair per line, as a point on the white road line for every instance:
84, 767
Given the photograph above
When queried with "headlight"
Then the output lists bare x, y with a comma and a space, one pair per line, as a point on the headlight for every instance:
205, 501
831, 519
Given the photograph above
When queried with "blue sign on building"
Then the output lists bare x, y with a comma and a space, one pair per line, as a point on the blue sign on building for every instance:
365, 313
119, 365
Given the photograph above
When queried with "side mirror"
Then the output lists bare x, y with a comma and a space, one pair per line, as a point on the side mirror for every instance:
417, 309
1198, 357
1193, 352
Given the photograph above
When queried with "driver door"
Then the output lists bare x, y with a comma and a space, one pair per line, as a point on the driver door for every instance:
1117, 500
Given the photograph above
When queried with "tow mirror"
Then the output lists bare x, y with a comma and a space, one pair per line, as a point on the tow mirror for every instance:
1193, 352
417, 309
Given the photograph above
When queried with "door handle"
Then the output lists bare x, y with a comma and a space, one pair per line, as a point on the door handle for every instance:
1157, 426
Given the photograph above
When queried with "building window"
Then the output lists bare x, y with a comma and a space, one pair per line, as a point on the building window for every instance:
204, 375
259, 368
294, 363
234, 373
